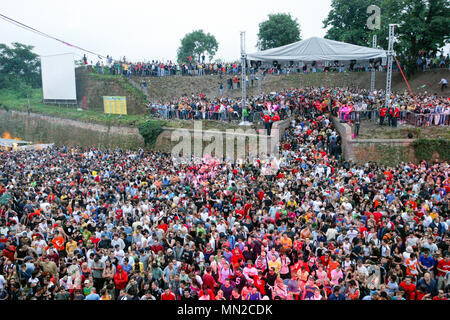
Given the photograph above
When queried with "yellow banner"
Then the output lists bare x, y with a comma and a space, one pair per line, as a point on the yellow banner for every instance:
115, 105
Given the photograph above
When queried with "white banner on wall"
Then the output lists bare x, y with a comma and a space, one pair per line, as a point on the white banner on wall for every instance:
58, 77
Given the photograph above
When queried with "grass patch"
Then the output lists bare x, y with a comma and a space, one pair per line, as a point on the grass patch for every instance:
122, 81
11, 100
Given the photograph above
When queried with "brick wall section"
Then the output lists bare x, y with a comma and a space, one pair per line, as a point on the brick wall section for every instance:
379, 150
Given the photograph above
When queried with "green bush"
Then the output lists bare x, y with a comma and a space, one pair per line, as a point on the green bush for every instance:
425, 148
150, 130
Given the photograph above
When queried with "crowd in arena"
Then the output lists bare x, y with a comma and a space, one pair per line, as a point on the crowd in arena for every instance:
89, 224
350, 104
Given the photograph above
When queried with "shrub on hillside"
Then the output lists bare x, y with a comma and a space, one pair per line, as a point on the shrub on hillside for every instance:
150, 131
425, 148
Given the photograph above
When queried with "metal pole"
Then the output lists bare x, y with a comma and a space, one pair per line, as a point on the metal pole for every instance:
243, 82
372, 79
390, 55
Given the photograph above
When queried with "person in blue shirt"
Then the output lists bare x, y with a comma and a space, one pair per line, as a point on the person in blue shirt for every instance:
428, 284
254, 294
336, 295
426, 262
93, 295
126, 266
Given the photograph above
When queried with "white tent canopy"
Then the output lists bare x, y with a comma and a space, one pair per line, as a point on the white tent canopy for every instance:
317, 49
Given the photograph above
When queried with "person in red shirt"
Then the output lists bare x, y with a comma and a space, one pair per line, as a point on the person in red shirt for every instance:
237, 254
267, 123
383, 113
410, 288
208, 279
120, 279
325, 259
206, 294
163, 226
259, 283
395, 117
276, 117
443, 267
440, 296
9, 251
168, 295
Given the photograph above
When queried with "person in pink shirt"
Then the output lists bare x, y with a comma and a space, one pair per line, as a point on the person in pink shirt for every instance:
336, 275
321, 274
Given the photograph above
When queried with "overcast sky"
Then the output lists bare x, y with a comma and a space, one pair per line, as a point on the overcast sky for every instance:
150, 29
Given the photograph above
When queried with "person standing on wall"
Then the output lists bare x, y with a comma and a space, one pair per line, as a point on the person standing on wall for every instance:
390, 115
267, 122
383, 112
396, 116
357, 124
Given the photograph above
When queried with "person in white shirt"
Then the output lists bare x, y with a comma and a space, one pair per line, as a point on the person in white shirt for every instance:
2, 282
119, 254
118, 241
352, 233
443, 84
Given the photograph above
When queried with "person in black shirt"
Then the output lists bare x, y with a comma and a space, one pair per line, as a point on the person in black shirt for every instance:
270, 279
187, 296
227, 289
239, 280
105, 243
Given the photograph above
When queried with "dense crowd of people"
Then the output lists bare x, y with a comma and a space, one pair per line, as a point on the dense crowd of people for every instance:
90, 224
157, 68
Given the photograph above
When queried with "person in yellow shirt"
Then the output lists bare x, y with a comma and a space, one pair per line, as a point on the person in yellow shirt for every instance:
105, 295
275, 263
292, 204
286, 242
71, 245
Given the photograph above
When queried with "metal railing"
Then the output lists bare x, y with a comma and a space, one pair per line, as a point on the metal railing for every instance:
427, 119
408, 117
226, 116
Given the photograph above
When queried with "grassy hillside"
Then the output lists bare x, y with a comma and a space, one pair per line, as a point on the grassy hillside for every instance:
166, 88
14, 100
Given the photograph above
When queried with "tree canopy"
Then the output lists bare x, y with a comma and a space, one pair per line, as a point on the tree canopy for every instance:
279, 30
19, 65
423, 25
195, 44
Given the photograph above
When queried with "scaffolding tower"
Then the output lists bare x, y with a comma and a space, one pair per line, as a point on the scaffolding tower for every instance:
243, 74
390, 58
372, 78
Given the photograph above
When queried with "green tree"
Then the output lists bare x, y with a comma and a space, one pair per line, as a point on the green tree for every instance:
279, 30
347, 21
197, 43
423, 25
19, 65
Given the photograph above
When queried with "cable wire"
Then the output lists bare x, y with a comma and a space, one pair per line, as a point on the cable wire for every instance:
28, 28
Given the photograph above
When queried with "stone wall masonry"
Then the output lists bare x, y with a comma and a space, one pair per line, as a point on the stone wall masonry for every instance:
380, 150
47, 129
